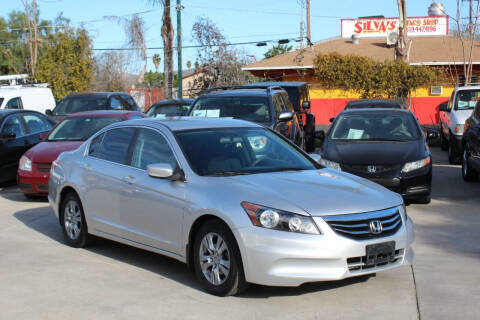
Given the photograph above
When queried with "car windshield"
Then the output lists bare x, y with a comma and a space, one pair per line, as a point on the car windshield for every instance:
244, 107
467, 99
380, 126
237, 151
168, 110
80, 128
71, 105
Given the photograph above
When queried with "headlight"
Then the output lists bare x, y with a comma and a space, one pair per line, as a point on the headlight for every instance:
410, 166
459, 128
330, 164
403, 211
25, 164
279, 220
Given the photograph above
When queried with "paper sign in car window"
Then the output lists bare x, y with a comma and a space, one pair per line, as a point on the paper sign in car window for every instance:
355, 134
215, 113
462, 104
199, 113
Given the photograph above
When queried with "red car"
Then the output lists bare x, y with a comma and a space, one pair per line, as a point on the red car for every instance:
34, 167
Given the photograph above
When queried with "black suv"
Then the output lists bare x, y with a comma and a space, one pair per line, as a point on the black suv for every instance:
471, 146
298, 94
268, 106
92, 101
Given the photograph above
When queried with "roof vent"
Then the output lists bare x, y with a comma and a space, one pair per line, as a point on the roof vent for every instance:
436, 9
355, 39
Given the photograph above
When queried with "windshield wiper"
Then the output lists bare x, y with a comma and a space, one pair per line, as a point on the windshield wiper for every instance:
227, 174
283, 169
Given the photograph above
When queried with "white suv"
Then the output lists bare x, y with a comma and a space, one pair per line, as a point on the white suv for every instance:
452, 119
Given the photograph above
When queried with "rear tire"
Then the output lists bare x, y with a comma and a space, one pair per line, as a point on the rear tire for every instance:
73, 221
452, 156
217, 261
424, 200
468, 173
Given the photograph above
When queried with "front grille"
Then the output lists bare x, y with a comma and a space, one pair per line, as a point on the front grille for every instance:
359, 263
364, 168
43, 166
357, 226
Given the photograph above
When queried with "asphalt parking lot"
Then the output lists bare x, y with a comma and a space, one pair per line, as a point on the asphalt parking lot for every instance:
42, 278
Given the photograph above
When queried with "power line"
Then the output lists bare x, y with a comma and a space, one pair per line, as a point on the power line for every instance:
200, 46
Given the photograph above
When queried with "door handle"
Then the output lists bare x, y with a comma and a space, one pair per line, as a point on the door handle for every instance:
128, 179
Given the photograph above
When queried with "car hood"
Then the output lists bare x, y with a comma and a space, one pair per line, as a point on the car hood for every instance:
316, 192
373, 152
48, 151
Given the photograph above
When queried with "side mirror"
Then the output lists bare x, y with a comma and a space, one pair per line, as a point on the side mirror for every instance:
306, 105
164, 171
332, 119
315, 156
444, 107
8, 136
42, 136
285, 116
49, 112
320, 135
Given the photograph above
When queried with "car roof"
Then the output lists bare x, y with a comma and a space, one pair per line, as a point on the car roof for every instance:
468, 88
240, 92
369, 102
6, 112
104, 113
278, 83
173, 101
374, 110
191, 123
95, 94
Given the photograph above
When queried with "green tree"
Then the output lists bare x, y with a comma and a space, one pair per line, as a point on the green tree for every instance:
369, 78
66, 62
156, 61
277, 50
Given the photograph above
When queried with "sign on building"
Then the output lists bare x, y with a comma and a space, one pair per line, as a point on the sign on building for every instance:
381, 27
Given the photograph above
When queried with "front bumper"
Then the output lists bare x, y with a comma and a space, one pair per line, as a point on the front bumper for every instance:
33, 182
279, 258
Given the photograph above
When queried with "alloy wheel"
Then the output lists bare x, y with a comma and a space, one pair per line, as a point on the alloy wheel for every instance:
214, 258
73, 219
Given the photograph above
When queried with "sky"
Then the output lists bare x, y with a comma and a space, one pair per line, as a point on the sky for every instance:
239, 21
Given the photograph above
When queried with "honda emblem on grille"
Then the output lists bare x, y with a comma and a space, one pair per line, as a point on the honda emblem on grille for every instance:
372, 169
376, 227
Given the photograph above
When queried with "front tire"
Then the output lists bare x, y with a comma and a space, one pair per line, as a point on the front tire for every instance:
443, 141
468, 173
452, 155
217, 260
73, 221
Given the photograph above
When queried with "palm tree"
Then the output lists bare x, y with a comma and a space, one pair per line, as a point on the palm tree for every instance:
167, 37
156, 60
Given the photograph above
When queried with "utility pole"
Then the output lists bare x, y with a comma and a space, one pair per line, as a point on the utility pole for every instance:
470, 22
401, 50
179, 48
309, 36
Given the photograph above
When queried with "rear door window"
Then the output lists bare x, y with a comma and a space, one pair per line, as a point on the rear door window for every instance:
13, 124
116, 144
14, 103
95, 145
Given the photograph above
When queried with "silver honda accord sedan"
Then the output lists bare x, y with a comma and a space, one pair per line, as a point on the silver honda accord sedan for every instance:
234, 200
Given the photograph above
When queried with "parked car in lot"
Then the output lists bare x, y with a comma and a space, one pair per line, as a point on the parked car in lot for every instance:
19, 131
206, 192
471, 146
92, 101
170, 108
452, 119
299, 96
386, 146
373, 103
270, 107
69, 134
